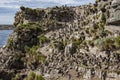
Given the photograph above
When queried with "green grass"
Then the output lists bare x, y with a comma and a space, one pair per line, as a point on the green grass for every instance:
29, 27
34, 76
43, 39
35, 55
108, 43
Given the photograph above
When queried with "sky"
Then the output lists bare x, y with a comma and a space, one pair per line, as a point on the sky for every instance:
8, 8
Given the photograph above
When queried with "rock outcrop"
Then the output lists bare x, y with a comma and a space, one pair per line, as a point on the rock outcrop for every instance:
63, 43
115, 13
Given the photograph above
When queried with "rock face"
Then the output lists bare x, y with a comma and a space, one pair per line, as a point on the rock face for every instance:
115, 13
63, 43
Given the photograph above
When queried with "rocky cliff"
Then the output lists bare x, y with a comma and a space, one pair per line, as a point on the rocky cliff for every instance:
64, 43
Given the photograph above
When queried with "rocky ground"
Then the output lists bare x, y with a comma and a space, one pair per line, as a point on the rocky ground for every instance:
64, 43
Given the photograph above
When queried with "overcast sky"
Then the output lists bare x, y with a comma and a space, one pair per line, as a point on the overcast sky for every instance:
8, 8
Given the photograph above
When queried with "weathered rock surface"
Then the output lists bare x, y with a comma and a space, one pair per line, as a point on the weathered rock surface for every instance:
76, 46
115, 13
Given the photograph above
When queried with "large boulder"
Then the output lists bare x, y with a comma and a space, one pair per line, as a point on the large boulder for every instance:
114, 18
